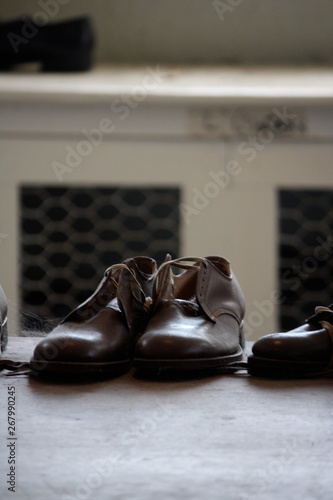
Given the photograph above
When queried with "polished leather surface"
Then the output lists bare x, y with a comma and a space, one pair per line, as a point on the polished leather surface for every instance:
176, 332
301, 344
104, 338
198, 315
218, 291
60, 46
3, 320
311, 342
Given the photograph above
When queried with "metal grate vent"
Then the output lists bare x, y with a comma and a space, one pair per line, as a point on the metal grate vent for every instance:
306, 249
70, 235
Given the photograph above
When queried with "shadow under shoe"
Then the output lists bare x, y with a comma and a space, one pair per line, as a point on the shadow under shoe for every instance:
196, 318
306, 351
95, 338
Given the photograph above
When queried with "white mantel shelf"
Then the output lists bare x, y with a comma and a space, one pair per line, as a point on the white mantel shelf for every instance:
173, 85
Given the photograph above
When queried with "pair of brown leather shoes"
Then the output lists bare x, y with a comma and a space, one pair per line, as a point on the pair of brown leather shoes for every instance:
306, 351
151, 318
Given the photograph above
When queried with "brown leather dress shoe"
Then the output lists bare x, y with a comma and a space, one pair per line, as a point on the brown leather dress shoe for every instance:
196, 319
3, 321
97, 338
306, 351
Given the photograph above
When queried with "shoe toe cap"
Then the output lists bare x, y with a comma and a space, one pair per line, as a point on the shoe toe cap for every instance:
160, 345
302, 346
271, 345
84, 343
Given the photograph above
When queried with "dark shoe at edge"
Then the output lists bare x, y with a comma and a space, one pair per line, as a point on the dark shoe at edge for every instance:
306, 351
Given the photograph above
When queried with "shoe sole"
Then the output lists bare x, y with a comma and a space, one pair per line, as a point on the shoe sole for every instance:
61, 370
274, 368
189, 364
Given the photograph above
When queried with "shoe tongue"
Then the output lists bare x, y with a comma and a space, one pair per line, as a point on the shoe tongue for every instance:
131, 300
144, 269
134, 291
180, 288
186, 285
223, 265
163, 285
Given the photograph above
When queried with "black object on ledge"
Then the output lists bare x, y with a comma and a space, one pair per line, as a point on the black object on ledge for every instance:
64, 46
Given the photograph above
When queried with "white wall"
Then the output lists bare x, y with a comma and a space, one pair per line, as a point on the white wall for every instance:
199, 31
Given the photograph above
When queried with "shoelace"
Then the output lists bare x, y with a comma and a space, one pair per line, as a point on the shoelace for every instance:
110, 269
324, 317
321, 314
182, 263
16, 367
102, 295
136, 288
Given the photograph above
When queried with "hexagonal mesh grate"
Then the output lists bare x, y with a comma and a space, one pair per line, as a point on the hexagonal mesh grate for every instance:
306, 249
70, 235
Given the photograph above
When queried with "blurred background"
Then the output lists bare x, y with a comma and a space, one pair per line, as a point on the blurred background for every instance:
201, 127
199, 31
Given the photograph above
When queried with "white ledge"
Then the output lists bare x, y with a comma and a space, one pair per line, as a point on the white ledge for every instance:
173, 85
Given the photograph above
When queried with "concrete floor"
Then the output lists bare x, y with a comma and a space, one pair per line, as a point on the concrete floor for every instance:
222, 437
